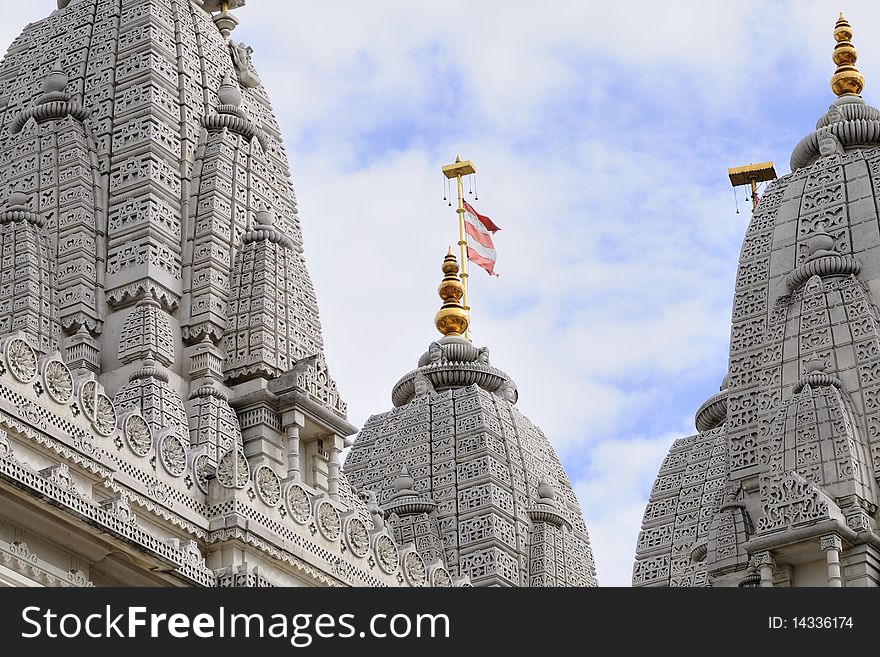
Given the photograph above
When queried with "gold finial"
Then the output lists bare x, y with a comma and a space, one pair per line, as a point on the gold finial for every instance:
846, 81
451, 319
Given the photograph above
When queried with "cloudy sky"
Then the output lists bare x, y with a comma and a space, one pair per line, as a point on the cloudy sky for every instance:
602, 133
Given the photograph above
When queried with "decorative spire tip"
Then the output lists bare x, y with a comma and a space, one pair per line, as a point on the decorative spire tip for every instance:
846, 81
452, 318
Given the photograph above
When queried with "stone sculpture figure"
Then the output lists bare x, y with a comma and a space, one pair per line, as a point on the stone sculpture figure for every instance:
241, 58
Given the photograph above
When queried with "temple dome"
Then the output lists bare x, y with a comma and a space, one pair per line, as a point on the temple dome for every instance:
459, 468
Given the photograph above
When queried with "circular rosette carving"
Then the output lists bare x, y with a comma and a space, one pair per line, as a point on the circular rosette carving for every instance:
357, 537
268, 485
440, 578
21, 359
200, 468
386, 554
329, 523
138, 434
58, 381
299, 504
172, 454
414, 567
233, 470
98, 408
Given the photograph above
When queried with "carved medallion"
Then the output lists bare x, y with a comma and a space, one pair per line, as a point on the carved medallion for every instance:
22, 360
98, 408
298, 503
414, 567
386, 554
173, 454
58, 381
268, 485
138, 435
440, 578
329, 523
357, 537
233, 470
200, 467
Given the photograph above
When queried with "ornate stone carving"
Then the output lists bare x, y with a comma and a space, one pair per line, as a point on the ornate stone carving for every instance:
712, 412
829, 144
789, 500
314, 377
120, 508
233, 470
241, 58
78, 578
138, 434
357, 537
374, 509
5, 447
764, 558
147, 333
265, 335
268, 485
28, 295
58, 381
440, 578
59, 474
386, 554
830, 542
299, 503
21, 359
414, 568
200, 468
213, 423
464, 497
173, 454
193, 554
98, 408
23, 551
149, 393
328, 521
422, 385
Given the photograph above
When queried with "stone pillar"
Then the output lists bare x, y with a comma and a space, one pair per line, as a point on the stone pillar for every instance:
832, 545
333, 471
764, 561
293, 452
293, 420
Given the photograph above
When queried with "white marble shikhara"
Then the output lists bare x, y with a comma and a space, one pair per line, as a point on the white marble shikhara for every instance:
166, 413
779, 487
467, 477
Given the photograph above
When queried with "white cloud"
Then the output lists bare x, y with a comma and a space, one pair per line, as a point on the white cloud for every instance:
613, 493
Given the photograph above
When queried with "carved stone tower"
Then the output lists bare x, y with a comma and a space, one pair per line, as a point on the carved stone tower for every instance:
166, 412
779, 487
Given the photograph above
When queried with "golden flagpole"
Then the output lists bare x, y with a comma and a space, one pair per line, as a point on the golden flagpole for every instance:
456, 170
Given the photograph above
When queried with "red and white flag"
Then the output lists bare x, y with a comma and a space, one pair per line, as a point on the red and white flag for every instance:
481, 248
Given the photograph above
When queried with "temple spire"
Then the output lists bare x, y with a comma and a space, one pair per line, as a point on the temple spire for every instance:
452, 318
846, 81
455, 171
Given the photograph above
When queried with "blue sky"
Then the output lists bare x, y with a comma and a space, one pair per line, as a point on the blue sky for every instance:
602, 136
